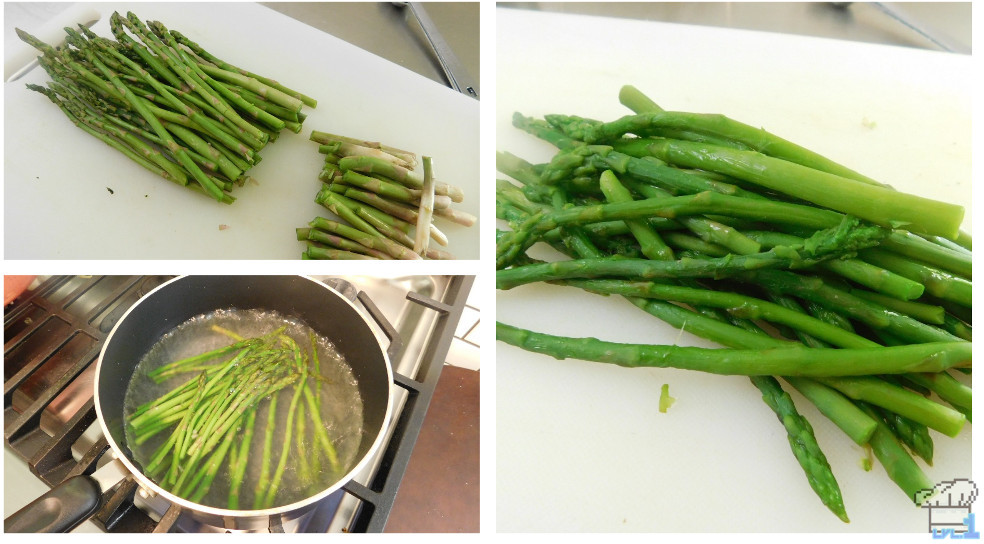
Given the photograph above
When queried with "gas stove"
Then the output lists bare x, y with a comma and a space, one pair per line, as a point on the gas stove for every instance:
52, 338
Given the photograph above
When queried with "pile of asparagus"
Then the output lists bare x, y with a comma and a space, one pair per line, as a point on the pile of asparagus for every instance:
211, 418
382, 200
166, 103
856, 295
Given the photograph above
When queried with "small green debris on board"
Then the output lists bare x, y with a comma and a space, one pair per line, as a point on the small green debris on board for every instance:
868, 460
868, 123
665, 400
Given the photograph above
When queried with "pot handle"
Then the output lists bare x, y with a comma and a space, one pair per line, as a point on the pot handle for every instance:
350, 292
345, 288
60, 510
396, 342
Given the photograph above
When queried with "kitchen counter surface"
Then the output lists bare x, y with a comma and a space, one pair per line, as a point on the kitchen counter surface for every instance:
941, 26
386, 29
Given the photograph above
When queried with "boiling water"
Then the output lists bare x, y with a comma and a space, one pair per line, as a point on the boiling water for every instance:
341, 406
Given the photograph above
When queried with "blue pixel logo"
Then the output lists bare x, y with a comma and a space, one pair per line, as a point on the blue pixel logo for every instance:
948, 504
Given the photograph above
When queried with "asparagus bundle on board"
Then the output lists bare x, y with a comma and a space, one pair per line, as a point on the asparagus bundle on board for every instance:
168, 104
856, 295
385, 208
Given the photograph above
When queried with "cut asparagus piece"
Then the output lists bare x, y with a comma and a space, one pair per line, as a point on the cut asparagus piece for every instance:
426, 210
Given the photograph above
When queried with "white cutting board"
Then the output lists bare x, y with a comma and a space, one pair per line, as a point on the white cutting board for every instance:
582, 446
57, 205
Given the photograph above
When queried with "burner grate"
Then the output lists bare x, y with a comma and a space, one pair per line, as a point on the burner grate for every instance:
51, 343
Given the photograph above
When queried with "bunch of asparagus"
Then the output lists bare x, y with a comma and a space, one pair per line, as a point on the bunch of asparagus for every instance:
374, 189
166, 103
856, 295
211, 418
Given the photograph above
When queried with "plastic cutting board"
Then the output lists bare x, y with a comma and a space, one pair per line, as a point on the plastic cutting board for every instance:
582, 446
69, 196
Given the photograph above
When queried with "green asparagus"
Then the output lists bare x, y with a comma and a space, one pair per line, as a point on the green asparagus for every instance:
212, 417
804, 269
162, 106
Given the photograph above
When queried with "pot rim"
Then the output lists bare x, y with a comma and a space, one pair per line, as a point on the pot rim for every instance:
224, 513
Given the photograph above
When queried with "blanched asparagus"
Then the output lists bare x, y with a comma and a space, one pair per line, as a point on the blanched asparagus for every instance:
908, 286
212, 417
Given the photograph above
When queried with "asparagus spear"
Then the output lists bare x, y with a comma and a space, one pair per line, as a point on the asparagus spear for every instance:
649, 169
947, 388
165, 170
198, 50
426, 210
278, 473
238, 473
322, 253
207, 474
651, 244
938, 283
916, 247
852, 420
403, 175
455, 216
355, 205
719, 126
320, 432
269, 93
926, 313
377, 241
899, 465
900, 401
870, 313
791, 361
740, 135
380, 187
825, 244
736, 304
804, 445
396, 209
913, 435
877, 204
347, 148
262, 483
636, 100
338, 242
701, 203
707, 230
385, 229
